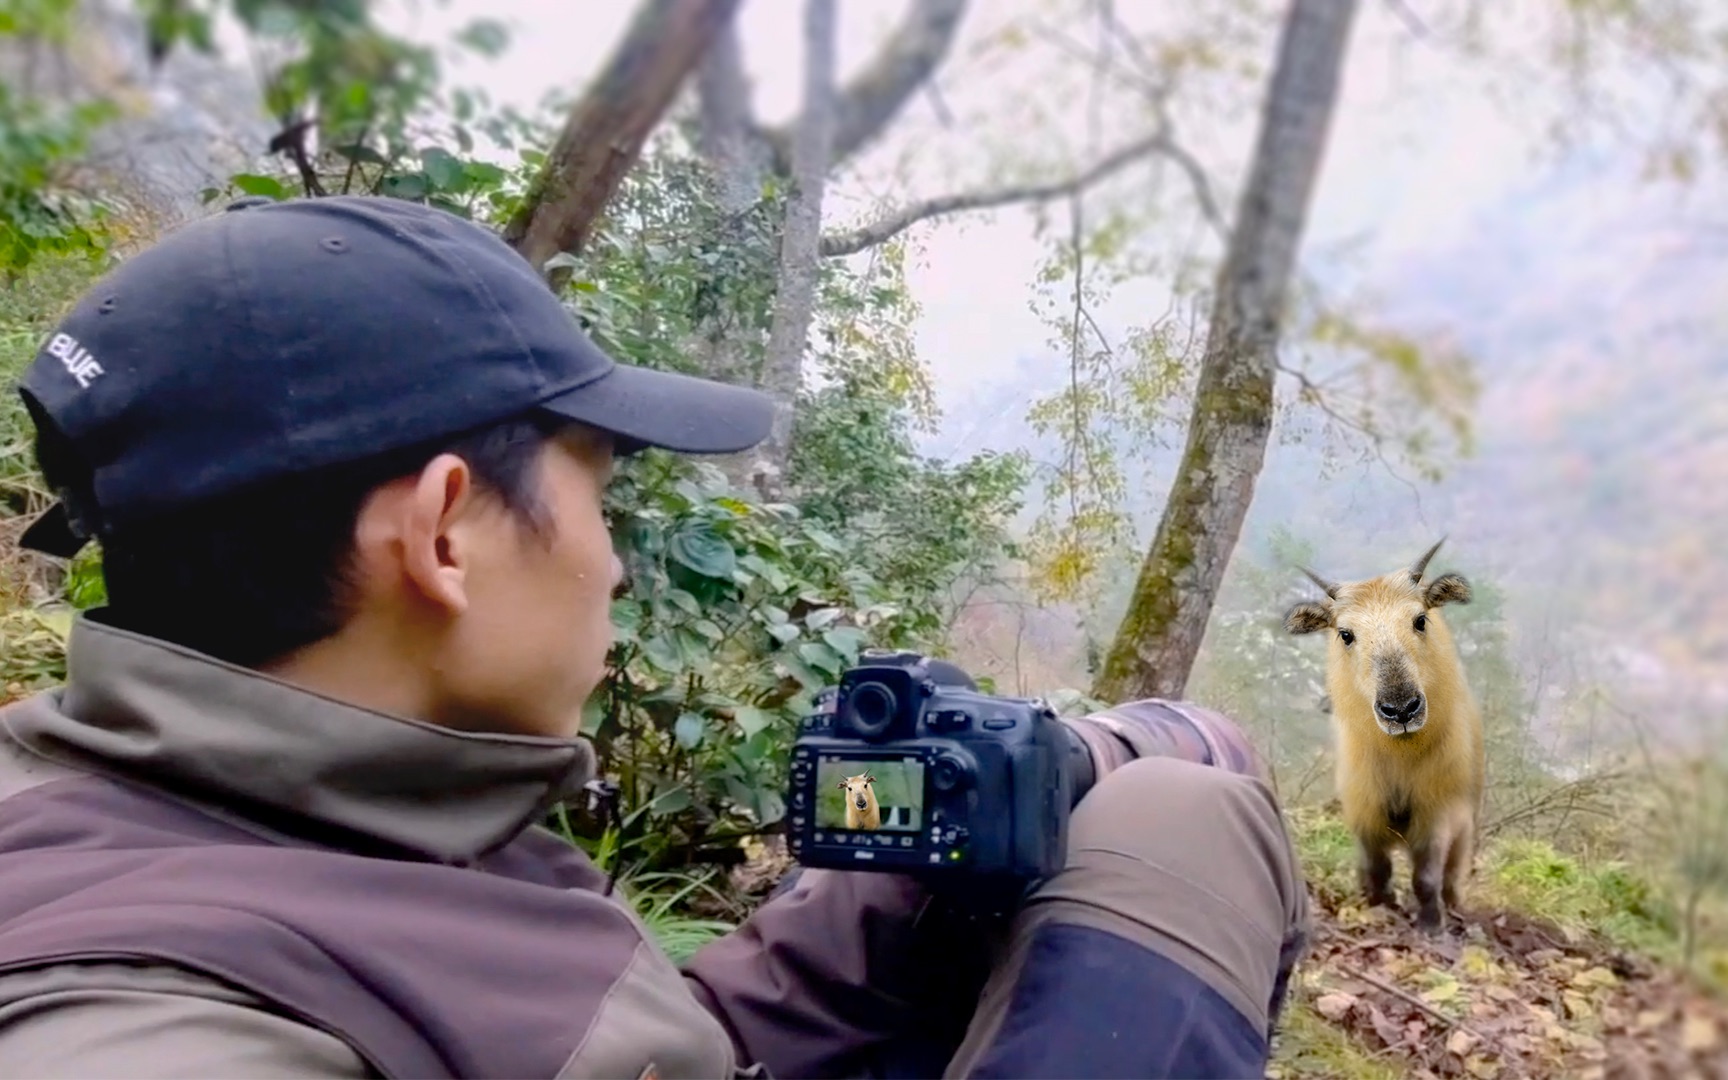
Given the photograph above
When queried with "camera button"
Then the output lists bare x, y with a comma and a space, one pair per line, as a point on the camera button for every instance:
1000, 723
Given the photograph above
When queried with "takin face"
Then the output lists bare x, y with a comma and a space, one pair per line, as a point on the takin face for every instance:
1389, 643
859, 797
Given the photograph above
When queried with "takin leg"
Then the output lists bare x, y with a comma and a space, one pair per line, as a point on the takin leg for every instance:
1375, 870
1460, 860
1429, 860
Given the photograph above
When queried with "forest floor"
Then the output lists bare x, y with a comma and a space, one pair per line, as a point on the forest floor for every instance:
1554, 969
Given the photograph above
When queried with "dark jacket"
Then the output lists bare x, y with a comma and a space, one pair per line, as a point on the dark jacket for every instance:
210, 873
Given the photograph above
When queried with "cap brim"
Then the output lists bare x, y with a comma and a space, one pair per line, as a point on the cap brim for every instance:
643, 407
51, 534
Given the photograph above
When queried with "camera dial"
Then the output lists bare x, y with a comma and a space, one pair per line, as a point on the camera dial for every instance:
948, 772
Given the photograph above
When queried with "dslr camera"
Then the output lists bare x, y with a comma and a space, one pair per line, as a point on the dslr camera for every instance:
906, 767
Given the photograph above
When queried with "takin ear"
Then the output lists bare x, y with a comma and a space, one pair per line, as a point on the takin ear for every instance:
1307, 617
841, 785
1447, 589
869, 779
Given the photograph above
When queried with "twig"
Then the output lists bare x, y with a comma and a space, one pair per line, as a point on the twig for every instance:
1411, 999
1412, 21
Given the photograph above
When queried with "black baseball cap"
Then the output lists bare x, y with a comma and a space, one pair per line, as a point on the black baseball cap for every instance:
282, 337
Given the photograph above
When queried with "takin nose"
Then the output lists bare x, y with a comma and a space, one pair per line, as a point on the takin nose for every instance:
1399, 710
858, 802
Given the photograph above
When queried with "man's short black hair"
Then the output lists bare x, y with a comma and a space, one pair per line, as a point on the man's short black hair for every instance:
250, 577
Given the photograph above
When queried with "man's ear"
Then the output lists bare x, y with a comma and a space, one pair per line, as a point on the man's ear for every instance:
1447, 589
1308, 617
421, 528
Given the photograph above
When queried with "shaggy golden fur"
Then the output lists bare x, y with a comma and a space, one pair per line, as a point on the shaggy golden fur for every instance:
861, 809
1410, 754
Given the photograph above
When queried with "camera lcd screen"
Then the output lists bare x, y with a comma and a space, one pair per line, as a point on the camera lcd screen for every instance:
869, 794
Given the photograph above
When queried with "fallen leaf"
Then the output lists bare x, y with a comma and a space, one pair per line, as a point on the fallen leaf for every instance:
1389, 1033
1483, 1068
1477, 963
1699, 1034
1577, 1005
1650, 1018
1501, 993
1461, 1042
1441, 992
1334, 1006
1595, 977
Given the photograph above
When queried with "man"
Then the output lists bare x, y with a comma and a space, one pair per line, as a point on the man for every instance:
345, 459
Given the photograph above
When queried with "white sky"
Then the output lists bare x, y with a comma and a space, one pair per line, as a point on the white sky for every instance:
1415, 151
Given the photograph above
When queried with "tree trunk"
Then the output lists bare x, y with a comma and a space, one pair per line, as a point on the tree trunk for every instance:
1234, 402
744, 153
604, 134
800, 248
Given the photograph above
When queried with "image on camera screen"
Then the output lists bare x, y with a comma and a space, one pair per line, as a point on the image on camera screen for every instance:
866, 795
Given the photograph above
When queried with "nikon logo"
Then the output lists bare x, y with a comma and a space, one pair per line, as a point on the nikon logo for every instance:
76, 358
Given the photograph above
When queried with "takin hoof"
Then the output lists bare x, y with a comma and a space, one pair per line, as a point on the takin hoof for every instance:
1431, 921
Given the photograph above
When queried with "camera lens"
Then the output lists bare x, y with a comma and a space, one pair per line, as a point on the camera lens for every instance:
870, 709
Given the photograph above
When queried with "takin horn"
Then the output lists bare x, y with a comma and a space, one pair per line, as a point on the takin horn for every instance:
1420, 565
1330, 587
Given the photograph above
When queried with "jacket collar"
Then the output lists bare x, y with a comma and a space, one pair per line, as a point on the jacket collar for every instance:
237, 740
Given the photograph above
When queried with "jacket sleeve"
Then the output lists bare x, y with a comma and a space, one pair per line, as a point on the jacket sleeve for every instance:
111, 1019
840, 970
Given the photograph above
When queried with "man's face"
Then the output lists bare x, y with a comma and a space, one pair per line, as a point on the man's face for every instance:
475, 618
531, 645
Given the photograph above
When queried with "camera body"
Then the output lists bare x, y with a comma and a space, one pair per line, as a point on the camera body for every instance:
897, 771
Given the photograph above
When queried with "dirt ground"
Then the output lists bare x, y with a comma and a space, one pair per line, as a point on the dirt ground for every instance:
1503, 996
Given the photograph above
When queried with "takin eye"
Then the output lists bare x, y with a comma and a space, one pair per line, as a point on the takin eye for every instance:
1346, 637
1421, 622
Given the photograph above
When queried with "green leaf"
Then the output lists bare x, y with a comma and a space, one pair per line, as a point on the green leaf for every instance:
707, 629
404, 186
751, 720
361, 153
486, 36
593, 715
820, 656
689, 729
442, 168
845, 640
821, 617
254, 184
662, 651
683, 601
767, 571
703, 551
785, 633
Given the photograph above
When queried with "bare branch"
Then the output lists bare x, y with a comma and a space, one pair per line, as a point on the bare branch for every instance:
1412, 21
1159, 143
906, 62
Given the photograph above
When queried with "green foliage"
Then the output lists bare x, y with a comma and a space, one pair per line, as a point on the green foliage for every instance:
361, 109
42, 213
